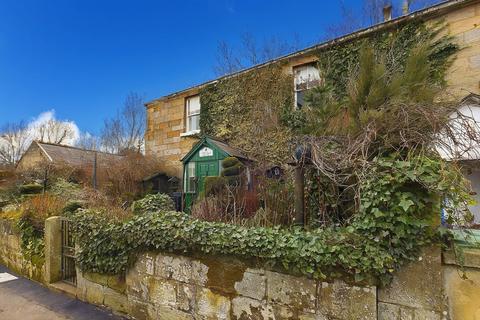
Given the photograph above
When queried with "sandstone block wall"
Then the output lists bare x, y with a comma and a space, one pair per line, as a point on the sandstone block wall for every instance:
167, 286
462, 285
176, 287
11, 253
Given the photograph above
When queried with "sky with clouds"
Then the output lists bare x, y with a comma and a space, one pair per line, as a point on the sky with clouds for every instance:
78, 59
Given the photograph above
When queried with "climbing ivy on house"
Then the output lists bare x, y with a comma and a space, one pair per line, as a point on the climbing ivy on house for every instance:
245, 110
255, 108
338, 63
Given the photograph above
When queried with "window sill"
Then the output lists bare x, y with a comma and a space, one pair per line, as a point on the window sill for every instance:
190, 133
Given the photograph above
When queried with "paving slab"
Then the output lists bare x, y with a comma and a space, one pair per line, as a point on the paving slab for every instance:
23, 299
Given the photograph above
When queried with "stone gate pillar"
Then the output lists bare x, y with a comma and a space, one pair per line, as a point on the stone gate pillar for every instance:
53, 249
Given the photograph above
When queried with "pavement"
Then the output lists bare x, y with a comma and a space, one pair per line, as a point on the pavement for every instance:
22, 299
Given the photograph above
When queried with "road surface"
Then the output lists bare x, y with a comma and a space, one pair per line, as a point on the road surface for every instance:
22, 299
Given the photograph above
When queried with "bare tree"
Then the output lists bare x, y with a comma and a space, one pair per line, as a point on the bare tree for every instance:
88, 141
125, 132
14, 140
370, 14
231, 59
54, 131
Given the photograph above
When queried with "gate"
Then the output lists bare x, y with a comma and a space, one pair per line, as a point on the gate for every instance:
69, 272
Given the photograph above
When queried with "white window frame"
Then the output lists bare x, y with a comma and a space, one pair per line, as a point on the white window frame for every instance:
302, 84
190, 180
188, 115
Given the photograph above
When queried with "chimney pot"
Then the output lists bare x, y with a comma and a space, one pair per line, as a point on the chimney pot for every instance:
387, 13
406, 7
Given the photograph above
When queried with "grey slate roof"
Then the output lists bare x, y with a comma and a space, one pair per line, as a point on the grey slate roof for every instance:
73, 156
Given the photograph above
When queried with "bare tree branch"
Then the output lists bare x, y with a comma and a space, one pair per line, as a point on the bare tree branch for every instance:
14, 140
125, 132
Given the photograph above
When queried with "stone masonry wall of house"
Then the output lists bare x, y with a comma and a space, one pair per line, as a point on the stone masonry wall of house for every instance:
171, 287
32, 157
166, 118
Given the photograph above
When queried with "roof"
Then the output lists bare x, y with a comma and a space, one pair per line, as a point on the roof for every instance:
229, 150
472, 99
73, 156
429, 12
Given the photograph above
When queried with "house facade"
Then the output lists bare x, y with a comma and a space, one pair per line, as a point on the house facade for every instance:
173, 121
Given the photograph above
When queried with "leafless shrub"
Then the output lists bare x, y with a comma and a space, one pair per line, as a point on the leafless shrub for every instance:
122, 178
227, 204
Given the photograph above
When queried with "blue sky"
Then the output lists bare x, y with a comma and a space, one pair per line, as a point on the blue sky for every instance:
81, 58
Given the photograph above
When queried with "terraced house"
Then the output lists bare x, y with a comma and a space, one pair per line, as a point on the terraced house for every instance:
175, 120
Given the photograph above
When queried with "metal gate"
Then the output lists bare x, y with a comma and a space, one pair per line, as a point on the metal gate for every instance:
69, 272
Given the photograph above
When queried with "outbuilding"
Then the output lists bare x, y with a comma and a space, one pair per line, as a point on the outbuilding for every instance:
205, 160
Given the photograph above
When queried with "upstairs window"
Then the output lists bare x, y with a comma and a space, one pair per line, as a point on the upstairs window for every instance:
193, 114
306, 77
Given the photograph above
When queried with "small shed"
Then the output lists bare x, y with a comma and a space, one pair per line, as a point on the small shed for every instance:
205, 160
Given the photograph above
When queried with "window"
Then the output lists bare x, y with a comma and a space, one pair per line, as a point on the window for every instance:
193, 114
192, 180
306, 77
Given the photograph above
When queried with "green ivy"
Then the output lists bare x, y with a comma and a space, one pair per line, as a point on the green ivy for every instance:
31, 242
336, 63
152, 203
398, 203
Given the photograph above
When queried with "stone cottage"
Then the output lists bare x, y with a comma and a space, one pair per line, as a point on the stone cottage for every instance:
173, 121
39, 153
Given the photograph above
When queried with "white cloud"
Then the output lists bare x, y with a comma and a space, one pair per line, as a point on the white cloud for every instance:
45, 117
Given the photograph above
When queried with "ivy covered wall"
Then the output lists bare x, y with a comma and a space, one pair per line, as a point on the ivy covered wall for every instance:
255, 110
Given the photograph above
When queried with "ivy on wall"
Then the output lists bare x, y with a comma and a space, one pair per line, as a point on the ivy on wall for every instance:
32, 242
338, 63
397, 211
246, 111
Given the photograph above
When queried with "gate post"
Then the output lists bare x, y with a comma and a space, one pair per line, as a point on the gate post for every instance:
53, 249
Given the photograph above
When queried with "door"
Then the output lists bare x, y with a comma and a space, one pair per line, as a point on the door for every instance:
205, 169
69, 272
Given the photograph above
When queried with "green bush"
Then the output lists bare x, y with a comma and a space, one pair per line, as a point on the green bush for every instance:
153, 203
65, 189
230, 162
32, 188
73, 205
214, 185
31, 242
232, 167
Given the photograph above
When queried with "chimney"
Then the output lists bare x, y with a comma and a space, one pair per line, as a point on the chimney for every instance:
387, 13
406, 7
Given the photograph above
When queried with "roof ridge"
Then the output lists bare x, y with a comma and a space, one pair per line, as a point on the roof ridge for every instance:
324, 44
77, 148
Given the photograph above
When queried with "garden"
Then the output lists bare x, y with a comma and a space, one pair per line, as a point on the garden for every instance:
378, 145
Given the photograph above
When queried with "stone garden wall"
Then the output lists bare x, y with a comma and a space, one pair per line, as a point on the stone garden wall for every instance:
11, 254
167, 286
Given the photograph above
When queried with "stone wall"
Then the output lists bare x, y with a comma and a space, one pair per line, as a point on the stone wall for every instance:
168, 286
11, 253
171, 287
462, 285
416, 291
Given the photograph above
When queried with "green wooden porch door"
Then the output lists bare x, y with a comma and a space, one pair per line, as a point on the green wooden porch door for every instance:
205, 169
